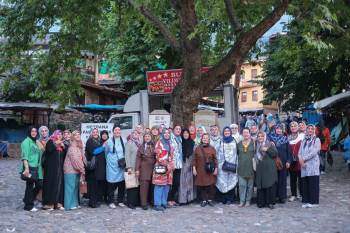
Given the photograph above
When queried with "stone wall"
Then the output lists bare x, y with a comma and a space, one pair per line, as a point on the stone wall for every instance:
69, 120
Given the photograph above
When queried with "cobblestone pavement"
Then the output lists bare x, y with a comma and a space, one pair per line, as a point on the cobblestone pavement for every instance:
333, 214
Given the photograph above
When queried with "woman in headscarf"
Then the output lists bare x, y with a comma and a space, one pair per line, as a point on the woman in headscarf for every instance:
285, 155
115, 157
155, 134
227, 180
302, 128
266, 172
163, 177
31, 159
104, 136
74, 171
193, 133
145, 161
310, 164
246, 151
200, 131
205, 170
186, 193
43, 137
95, 169
176, 143
67, 137
53, 185
131, 147
215, 137
235, 133
295, 140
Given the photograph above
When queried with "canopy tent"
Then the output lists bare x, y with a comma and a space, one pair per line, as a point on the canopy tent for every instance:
329, 102
99, 108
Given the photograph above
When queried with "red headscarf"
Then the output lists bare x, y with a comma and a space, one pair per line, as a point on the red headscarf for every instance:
54, 138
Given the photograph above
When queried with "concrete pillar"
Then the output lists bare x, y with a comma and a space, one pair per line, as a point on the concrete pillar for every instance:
144, 104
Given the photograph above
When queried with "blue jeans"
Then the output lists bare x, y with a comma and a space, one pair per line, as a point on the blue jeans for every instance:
71, 190
161, 195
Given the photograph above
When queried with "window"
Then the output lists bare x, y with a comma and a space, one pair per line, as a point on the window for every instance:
123, 122
254, 95
254, 73
242, 75
244, 97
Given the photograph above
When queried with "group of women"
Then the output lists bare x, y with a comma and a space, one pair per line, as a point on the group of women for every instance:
167, 167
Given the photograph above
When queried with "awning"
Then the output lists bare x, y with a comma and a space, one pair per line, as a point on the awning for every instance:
250, 109
99, 107
27, 106
328, 102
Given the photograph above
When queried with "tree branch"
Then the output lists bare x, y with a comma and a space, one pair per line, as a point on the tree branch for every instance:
235, 24
168, 36
223, 70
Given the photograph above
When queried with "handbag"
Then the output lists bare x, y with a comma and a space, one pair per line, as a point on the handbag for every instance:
160, 169
227, 166
33, 175
131, 180
122, 163
83, 187
209, 166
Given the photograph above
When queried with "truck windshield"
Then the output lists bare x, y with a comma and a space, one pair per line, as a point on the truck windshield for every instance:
123, 122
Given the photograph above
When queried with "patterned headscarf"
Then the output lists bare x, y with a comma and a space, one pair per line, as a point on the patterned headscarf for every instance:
54, 138
278, 139
165, 142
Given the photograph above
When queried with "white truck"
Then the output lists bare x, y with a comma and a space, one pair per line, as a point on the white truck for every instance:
137, 111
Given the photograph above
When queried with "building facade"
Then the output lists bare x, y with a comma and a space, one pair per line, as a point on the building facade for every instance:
251, 94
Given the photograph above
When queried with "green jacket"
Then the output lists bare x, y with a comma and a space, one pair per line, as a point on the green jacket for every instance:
245, 160
31, 152
266, 171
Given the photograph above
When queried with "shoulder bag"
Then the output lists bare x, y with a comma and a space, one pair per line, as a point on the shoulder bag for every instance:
209, 165
227, 166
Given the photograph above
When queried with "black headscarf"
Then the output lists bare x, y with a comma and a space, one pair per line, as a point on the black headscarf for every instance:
187, 145
29, 131
104, 132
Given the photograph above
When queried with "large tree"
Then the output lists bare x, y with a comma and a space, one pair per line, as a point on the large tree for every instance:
195, 33
301, 70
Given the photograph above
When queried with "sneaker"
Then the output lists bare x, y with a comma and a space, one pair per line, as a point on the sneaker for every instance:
292, 198
247, 204
210, 203
322, 173
121, 204
73, 208
158, 208
33, 209
299, 197
306, 205
203, 203
112, 206
39, 205
313, 205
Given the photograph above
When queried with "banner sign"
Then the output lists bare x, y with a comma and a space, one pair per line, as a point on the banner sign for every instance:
162, 82
86, 129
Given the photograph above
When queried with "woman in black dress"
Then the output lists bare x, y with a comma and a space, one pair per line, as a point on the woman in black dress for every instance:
55, 153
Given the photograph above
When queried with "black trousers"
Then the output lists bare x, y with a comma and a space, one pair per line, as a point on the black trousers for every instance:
111, 187
32, 189
133, 196
311, 189
295, 182
323, 159
206, 192
174, 189
96, 191
281, 187
225, 197
266, 196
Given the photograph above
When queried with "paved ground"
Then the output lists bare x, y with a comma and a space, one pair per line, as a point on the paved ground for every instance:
333, 215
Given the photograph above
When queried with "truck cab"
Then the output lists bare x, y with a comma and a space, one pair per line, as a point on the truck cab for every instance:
126, 122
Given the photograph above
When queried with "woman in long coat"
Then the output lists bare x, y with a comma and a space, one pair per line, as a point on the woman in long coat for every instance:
227, 180
205, 180
284, 153
162, 181
186, 193
145, 161
95, 172
53, 185
266, 172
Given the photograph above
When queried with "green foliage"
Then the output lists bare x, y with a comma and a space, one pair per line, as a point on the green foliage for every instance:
300, 69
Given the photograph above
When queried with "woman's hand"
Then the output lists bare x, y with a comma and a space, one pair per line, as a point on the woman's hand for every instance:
302, 162
194, 171
129, 171
137, 173
26, 172
264, 148
215, 172
287, 165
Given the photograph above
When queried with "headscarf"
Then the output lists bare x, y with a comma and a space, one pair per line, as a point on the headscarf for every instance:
41, 138
201, 141
309, 140
199, 137
278, 139
104, 132
76, 142
177, 137
165, 142
236, 136
227, 139
187, 145
266, 143
135, 140
54, 139
213, 137
194, 134
29, 133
